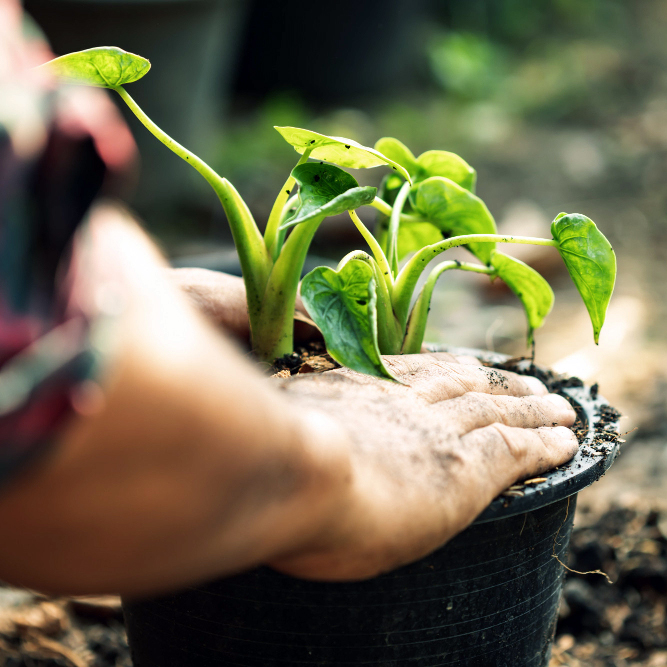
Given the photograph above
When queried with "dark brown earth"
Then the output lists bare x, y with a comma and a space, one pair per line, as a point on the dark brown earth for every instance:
621, 624
36, 631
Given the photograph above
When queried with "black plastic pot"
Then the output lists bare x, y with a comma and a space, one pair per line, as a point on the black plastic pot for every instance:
489, 597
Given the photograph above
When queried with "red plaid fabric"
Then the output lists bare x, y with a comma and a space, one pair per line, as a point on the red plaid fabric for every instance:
58, 151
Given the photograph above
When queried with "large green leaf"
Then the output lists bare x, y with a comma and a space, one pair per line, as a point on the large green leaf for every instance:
340, 151
325, 190
590, 260
455, 211
448, 165
104, 67
343, 305
534, 291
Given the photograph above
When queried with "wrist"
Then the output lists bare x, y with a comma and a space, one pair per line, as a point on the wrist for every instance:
329, 484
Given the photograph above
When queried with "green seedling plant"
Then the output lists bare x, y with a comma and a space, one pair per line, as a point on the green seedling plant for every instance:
370, 304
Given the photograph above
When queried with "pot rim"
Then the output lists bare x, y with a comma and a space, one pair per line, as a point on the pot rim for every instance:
593, 459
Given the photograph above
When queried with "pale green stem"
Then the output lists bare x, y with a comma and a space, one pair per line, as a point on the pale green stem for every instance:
375, 249
394, 221
288, 205
381, 206
254, 258
283, 231
406, 281
384, 208
414, 336
271, 233
209, 174
275, 332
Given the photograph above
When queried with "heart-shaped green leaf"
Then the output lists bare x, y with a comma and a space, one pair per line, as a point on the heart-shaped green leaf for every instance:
448, 165
103, 67
590, 261
326, 190
340, 151
534, 291
455, 211
343, 305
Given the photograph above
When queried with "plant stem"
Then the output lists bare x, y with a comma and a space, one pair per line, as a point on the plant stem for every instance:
275, 330
375, 249
288, 205
394, 221
271, 232
406, 281
384, 208
209, 174
282, 232
414, 336
254, 258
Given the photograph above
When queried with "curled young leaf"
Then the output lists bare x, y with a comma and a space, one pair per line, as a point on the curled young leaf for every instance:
532, 289
590, 261
455, 211
343, 305
340, 151
103, 67
325, 190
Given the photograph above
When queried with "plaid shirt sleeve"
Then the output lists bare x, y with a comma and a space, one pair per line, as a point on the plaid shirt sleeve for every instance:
45, 192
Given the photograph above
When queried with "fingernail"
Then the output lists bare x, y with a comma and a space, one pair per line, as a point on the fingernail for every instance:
535, 386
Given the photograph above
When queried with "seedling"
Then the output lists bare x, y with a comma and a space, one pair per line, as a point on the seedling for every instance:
427, 205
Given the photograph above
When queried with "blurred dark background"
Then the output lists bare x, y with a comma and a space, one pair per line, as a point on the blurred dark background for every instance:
561, 105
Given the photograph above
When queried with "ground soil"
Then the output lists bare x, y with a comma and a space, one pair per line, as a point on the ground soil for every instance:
622, 624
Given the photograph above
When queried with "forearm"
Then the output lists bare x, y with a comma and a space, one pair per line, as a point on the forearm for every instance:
192, 468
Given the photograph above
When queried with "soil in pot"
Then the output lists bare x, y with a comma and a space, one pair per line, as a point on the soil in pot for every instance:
489, 597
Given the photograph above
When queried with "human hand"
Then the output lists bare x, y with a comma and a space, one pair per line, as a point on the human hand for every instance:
428, 455
222, 299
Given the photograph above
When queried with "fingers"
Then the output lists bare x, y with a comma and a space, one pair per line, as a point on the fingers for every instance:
456, 358
509, 453
476, 410
438, 378
405, 364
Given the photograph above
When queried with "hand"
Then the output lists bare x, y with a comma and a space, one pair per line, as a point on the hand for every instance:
428, 455
222, 299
